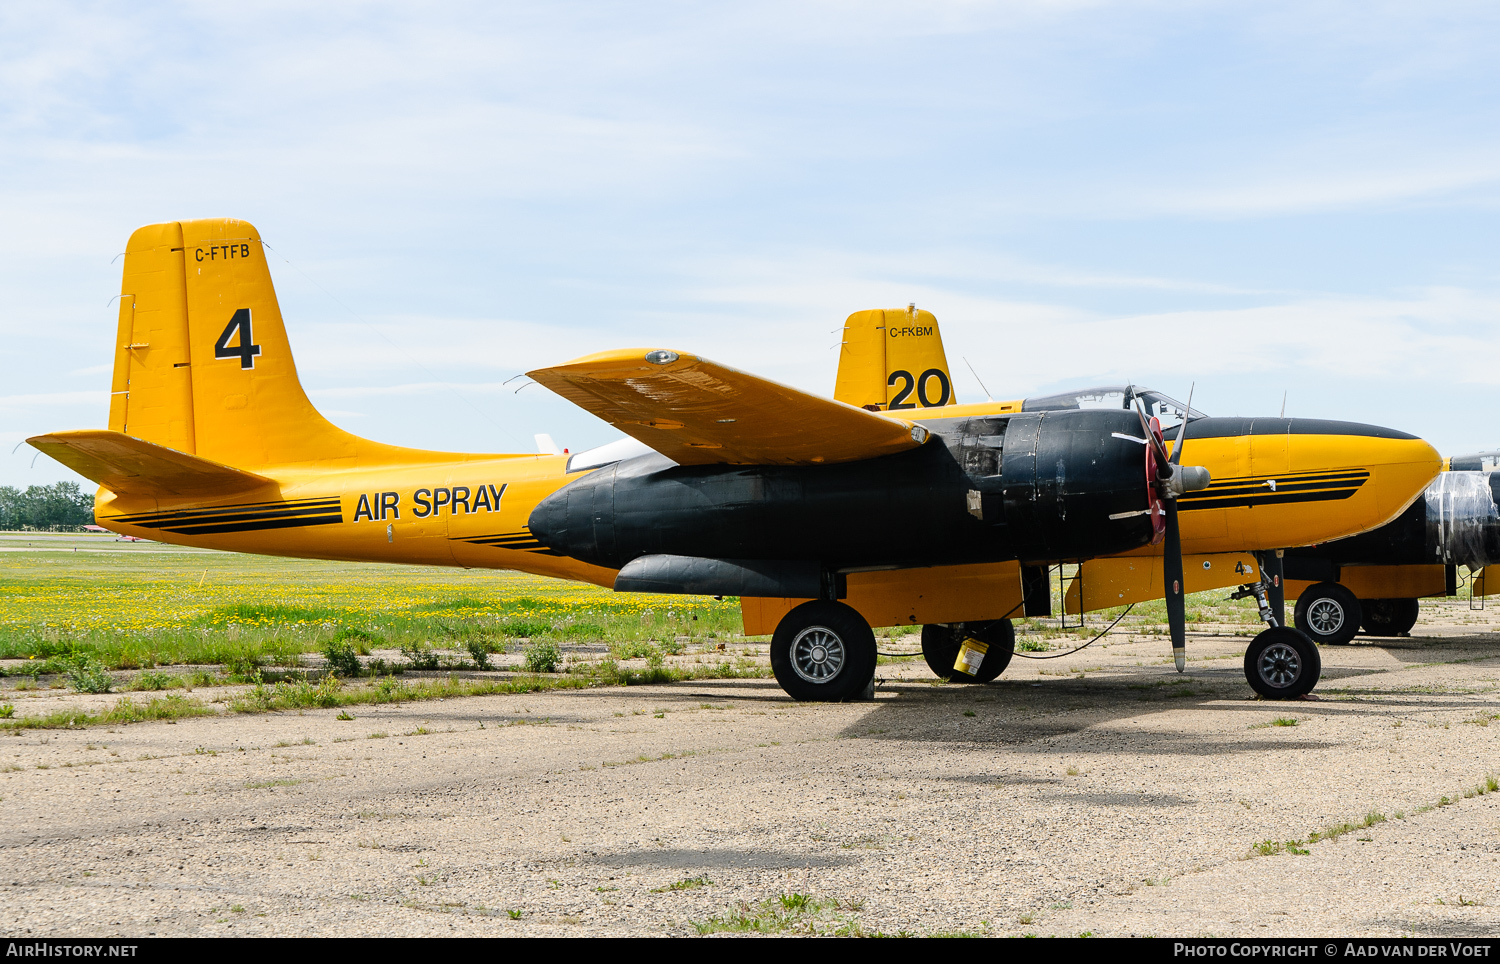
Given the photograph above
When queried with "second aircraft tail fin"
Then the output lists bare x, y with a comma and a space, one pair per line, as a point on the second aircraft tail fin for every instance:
893, 359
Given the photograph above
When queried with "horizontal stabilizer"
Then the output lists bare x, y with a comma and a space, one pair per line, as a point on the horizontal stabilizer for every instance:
697, 412
132, 466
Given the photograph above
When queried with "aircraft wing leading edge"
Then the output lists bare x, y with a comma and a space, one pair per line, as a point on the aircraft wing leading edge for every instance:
697, 412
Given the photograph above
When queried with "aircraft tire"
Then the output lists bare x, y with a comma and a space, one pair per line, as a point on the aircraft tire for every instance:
1282, 663
941, 642
823, 651
1389, 617
1328, 613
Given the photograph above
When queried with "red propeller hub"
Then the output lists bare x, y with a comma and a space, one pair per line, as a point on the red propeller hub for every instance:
1153, 481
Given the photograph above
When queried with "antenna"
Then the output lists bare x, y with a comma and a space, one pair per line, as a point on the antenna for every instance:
1283, 405
987, 395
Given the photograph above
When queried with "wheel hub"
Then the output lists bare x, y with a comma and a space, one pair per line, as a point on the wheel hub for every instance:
818, 654
1279, 665
1325, 616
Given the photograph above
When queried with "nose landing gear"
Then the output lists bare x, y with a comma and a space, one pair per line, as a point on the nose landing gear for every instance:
1283, 662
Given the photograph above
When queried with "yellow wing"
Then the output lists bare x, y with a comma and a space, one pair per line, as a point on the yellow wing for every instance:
697, 412
124, 464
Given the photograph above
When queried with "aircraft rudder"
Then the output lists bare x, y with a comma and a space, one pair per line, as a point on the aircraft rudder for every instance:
861, 374
151, 391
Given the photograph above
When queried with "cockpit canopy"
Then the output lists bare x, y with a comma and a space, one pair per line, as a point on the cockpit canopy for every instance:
1475, 462
1169, 410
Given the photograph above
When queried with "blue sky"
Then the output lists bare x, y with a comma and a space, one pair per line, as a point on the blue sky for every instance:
1259, 198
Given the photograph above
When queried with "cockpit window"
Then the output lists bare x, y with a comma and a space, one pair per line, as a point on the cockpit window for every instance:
1477, 462
1163, 407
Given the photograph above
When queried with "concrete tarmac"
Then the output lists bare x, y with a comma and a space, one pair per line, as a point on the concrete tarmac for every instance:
1101, 793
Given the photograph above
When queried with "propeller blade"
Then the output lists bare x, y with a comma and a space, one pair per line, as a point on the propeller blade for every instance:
1182, 429
1173, 583
1151, 437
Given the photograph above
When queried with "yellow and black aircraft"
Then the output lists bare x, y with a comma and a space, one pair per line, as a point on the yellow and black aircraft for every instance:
825, 517
1370, 581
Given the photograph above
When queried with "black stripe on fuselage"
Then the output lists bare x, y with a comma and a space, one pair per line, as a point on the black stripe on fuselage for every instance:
1270, 498
1309, 487
241, 518
520, 541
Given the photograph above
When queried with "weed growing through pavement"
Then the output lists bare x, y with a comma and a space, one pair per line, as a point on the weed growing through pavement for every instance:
788, 913
170, 707
1267, 848
479, 652
155, 680
542, 656
342, 657
87, 675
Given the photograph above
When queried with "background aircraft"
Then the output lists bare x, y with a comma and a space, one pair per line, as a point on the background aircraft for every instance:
1372, 581
826, 517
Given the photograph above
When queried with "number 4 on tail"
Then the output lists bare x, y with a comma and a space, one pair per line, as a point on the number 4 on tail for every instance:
245, 351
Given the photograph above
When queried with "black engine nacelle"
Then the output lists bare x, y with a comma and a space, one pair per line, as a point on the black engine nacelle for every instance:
1046, 486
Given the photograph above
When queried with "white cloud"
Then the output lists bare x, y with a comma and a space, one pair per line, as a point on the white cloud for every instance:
49, 400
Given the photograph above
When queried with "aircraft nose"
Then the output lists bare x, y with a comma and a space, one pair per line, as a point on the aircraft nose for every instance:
1400, 465
1294, 482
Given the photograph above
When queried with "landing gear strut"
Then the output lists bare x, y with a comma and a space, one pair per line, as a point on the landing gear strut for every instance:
1282, 663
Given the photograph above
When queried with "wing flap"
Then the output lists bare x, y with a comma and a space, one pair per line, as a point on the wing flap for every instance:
132, 466
697, 412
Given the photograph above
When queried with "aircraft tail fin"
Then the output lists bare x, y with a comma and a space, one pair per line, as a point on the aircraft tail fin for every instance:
893, 359
131, 466
202, 362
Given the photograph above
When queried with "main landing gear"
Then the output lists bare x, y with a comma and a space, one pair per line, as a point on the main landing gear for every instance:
824, 651
1331, 615
1389, 617
1282, 663
942, 643
1328, 613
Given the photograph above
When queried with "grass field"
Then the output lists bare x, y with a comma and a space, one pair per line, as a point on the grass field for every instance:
145, 605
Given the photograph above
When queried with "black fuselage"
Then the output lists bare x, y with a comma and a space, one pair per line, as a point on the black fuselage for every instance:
1034, 487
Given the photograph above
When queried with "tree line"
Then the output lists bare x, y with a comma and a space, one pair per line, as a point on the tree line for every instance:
45, 506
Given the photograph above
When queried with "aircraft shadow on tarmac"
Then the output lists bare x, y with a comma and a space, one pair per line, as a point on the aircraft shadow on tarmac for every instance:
1019, 712
1434, 649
